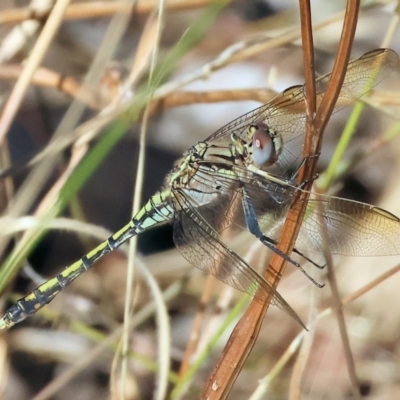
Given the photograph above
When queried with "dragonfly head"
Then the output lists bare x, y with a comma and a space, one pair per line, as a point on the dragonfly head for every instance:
265, 144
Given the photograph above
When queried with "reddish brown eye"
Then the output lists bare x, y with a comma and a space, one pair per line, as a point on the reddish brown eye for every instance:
264, 152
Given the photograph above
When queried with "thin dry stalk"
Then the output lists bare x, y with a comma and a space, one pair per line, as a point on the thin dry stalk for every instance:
184, 98
45, 77
338, 309
3, 364
39, 175
245, 333
196, 327
89, 129
18, 37
38, 52
292, 348
150, 37
97, 9
7, 185
310, 95
295, 388
42, 77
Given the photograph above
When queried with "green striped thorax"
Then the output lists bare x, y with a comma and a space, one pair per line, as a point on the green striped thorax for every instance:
260, 147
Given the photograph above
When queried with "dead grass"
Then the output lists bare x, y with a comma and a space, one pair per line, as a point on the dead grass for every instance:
91, 80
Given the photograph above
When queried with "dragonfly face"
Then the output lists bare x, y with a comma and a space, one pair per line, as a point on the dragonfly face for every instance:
265, 143
243, 174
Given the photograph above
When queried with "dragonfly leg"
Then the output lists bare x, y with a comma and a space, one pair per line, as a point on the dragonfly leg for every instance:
303, 161
308, 259
311, 261
254, 228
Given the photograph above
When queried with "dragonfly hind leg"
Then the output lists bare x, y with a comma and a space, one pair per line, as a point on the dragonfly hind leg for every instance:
254, 228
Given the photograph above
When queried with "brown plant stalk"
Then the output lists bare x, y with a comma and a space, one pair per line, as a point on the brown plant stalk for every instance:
246, 331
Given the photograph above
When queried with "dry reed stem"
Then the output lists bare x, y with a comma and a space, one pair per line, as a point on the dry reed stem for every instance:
228, 56
33, 62
294, 345
338, 309
245, 333
194, 337
34, 182
94, 98
97, 9
309, 149
295, 387
193, 97
147, 54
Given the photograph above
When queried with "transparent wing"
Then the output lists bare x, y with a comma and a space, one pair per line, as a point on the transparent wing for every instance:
271, 200
200, 244
286, 112
353, 228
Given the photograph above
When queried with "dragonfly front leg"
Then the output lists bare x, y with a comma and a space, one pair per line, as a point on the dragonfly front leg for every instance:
254, 228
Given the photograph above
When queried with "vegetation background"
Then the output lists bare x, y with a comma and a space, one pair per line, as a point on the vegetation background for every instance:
73, 131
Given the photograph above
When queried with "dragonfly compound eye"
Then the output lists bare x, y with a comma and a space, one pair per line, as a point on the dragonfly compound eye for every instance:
266, 145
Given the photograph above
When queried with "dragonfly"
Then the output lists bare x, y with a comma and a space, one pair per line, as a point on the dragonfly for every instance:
245, 175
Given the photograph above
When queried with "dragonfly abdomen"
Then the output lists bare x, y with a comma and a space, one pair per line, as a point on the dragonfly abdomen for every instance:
46, 292
156, 210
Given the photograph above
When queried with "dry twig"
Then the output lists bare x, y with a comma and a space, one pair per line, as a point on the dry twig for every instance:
245, 333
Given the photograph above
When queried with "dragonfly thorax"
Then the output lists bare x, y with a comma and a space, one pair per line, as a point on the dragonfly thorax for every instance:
186, 168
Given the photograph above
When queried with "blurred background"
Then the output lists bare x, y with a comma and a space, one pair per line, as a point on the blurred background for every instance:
96, 64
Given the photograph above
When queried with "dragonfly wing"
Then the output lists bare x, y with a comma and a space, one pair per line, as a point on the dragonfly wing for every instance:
285, 114
200, 244
270, 199
216, 201
353, 228
283, 110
